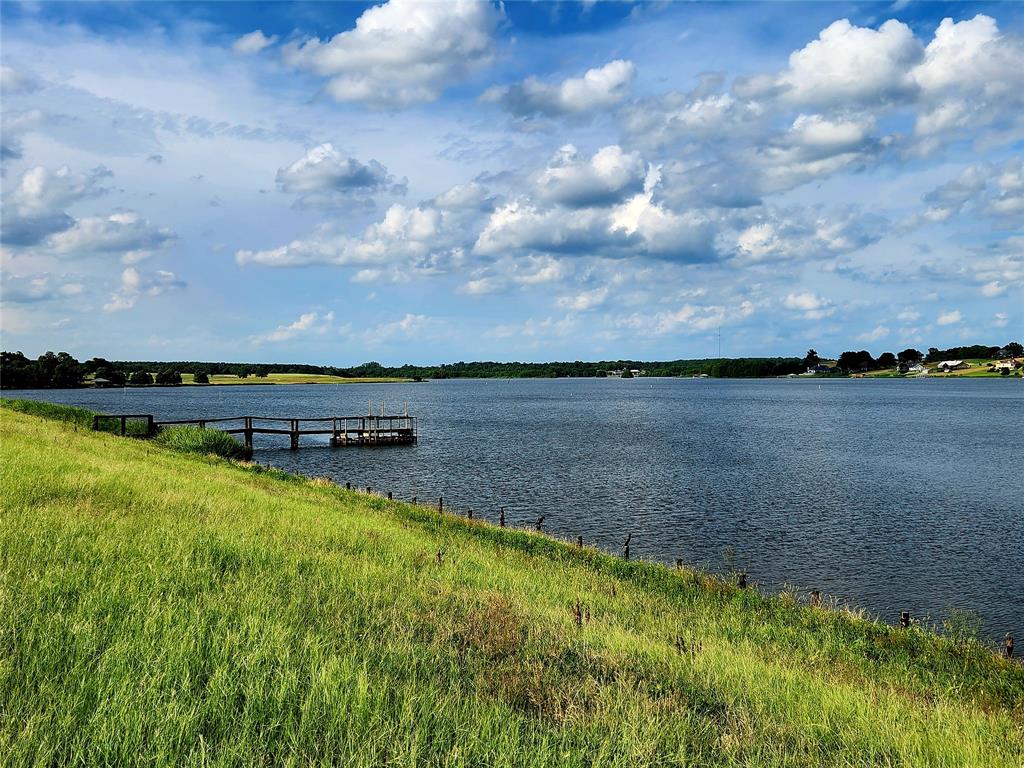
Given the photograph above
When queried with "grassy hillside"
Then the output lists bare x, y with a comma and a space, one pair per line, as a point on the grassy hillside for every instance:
173, 609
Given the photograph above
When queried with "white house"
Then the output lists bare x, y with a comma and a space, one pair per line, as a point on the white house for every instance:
952, 365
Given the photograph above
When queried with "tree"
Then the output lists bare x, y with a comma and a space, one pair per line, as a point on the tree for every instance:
168, 376
111, 374
140, 378
910, 355
627, 374
887, 360
811, 359
856, 361
201, 378
1014, 349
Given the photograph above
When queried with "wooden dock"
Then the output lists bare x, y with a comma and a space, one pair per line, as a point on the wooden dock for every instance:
343, 430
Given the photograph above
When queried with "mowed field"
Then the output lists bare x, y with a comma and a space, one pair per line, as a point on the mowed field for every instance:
165, 609
291, 378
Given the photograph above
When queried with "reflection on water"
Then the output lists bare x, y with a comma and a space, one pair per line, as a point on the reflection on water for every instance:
894, 495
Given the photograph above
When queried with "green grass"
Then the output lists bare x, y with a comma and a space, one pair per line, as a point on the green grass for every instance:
203, 440
170, 609
293, 378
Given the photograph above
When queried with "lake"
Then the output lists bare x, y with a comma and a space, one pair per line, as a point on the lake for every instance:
890, 495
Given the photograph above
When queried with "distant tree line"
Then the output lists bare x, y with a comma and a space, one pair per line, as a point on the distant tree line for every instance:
62, 370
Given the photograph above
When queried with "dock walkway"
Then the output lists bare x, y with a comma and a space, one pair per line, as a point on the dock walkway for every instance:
366, 430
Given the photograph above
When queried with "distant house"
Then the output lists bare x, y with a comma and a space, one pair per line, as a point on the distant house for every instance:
905, 366
98, 382
952, 365
1010, 365
819, 368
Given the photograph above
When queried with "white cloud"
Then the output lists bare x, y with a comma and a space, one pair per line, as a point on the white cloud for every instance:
992, 289
135, 284
309, 323
36, 207
1001, 320
599, 88
402, 52
812, 306
13, 81
584, 300
324, 174
127, 234
876, 333
950, 318
606, 177
852, 64
254, 42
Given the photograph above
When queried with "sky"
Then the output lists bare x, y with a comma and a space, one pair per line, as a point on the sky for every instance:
429, 182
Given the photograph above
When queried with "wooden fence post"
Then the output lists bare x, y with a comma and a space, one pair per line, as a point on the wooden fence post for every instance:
348, 486
389, 495
742, 581
413, 499
540, 524
124, 425
501, 517
469, 515
625, 547
579, 542
150, 429
1008, 646
95, 422
905, 619
440, 504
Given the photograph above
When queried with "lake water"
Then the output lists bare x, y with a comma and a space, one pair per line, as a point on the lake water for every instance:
891, 495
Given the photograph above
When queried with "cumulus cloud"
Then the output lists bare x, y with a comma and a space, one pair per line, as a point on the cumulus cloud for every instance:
13, 81
39, 288
127, 234
421, 239
36, 207
875, 334
325, 175
584, 300
809, 304
402, 52
994, 190
854, 64
135, 284
254, 42
598, 89
949, 318
778, 235
309, 323
576, 181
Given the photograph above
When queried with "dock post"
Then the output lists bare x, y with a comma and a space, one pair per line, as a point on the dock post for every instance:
150, 428
469, 515
414, 500
905, 619
389, 495
124, 425
625, 547
348, 486
579, 542
501, 517
741, 581
95, 423
1008, 646
440, 503
679, 563
295, 434
540, 524
248, 432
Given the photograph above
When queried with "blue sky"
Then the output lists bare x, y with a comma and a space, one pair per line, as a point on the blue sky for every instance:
426, 182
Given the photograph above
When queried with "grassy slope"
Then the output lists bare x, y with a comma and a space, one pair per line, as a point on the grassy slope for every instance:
172, 609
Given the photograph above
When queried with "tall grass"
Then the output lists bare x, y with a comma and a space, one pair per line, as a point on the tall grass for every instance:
188, 439
168, 609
